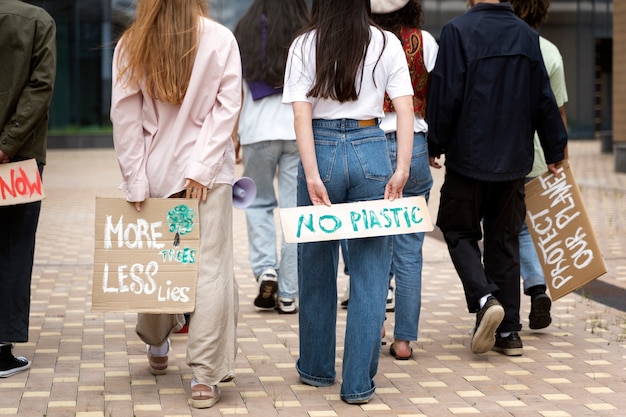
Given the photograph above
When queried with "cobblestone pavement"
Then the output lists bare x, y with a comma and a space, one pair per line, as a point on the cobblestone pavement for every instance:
88, 364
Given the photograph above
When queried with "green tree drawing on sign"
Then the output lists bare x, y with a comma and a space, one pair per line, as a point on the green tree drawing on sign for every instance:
180, 220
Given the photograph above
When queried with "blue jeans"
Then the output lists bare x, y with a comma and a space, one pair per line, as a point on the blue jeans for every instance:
407, 248
263, 162
530, 267
354, 165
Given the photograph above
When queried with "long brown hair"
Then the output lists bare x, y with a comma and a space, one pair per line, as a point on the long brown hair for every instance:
159, 48
264, 34
343, 34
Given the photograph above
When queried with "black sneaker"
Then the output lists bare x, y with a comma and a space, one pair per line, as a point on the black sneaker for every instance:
539, 317
488, 319
268, 286
345, 298
11, 365
510, 345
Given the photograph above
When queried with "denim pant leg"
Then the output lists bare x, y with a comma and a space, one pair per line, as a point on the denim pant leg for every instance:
407, 248
369, 168
530, 267
317, 318
366, 315
287, 185
260, 164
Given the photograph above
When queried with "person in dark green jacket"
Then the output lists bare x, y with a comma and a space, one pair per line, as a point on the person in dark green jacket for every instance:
27, 73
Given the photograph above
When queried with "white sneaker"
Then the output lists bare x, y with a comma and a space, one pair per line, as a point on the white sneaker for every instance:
268, 285
286, 305
391, 301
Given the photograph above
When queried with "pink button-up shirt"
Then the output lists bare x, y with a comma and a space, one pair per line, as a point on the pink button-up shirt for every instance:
160, 144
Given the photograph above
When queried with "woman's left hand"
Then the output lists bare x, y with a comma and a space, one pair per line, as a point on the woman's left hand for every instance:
195, 190
396, 183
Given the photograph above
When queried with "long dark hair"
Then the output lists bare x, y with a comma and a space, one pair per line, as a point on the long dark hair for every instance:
264, 34
343, 34
410, 16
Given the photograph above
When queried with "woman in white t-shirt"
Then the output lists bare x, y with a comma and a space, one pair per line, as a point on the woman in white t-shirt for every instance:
338, 71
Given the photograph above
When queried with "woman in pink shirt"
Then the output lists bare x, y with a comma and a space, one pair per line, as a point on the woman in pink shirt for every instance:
176, 96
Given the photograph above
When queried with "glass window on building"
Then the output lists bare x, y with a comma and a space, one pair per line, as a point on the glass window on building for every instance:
87, 30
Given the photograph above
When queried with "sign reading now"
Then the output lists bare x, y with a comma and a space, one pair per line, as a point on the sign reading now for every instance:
355, 220
20, 183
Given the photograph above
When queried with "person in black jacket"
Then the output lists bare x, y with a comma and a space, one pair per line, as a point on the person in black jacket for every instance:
489, 92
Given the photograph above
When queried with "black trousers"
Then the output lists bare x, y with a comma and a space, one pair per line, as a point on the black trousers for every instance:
471, 210
18, 225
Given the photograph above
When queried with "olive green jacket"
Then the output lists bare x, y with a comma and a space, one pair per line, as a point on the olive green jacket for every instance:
27, 73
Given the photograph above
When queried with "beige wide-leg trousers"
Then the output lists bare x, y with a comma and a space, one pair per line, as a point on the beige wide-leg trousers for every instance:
212, 338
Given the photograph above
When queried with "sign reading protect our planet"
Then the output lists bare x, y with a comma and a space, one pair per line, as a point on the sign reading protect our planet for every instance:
146, 261
562, 233
355, 220
20, 183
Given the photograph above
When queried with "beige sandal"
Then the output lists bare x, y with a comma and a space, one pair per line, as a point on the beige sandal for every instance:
204, 396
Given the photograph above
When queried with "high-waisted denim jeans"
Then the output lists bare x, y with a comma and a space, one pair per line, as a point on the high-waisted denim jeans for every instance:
407, 248
354, 165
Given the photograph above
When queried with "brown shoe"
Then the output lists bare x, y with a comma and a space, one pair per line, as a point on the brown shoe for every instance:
158, 364
488, 319
204, 396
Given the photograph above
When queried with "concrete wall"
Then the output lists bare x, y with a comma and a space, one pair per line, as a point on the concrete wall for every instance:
619, 72
619, 85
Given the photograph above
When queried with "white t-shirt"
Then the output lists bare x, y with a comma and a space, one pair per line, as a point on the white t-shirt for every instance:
264, 119
430, 48
390, 73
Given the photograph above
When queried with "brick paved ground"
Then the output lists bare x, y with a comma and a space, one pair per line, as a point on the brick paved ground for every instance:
89, 364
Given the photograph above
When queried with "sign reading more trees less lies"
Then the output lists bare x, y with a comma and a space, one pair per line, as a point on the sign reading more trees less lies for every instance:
146, 261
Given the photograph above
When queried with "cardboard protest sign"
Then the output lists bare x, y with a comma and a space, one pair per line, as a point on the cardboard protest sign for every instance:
146, 261
20, 183
355, 220
561, 230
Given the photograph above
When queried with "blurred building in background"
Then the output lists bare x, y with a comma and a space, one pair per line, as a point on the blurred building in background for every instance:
87, 30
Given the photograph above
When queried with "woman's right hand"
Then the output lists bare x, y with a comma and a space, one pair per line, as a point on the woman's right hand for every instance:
317, 192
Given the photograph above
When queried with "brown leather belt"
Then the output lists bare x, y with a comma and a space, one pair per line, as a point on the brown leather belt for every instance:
367, 123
